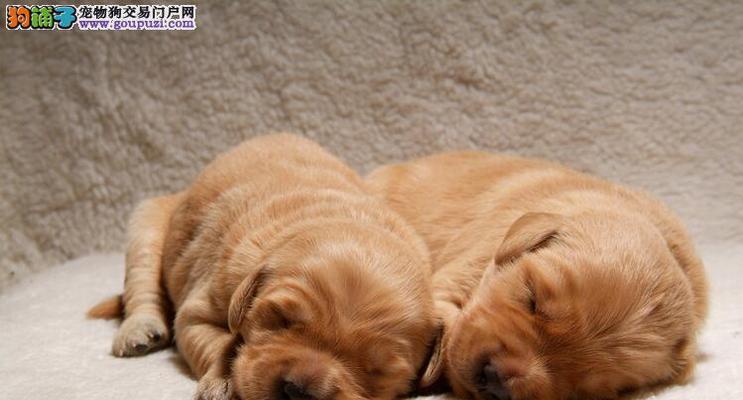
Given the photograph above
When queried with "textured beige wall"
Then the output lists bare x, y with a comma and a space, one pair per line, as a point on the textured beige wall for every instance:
647, 93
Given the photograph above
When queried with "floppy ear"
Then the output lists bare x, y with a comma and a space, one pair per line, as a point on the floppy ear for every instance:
436, 362
685, 357
242, 298
447, 314
530, 232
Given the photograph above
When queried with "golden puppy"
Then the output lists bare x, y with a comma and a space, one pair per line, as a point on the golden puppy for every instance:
550, 283
288, 280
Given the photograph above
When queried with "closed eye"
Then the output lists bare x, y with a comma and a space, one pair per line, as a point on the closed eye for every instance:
273, 318
538, 306
531, 301
282, 322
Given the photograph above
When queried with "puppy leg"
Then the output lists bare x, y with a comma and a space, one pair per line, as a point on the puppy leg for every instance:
206, 345
145, 326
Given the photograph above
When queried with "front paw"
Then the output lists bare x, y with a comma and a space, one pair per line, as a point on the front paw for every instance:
140, 334
213, 388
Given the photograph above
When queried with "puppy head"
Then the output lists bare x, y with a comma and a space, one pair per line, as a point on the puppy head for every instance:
583, 306
318, 323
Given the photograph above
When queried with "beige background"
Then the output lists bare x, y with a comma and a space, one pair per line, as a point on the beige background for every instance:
646, 93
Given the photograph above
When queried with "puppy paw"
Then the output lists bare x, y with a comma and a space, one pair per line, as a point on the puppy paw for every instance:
140, 334
213, 388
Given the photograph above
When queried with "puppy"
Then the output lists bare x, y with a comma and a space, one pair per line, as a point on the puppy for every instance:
550, 284
286, 277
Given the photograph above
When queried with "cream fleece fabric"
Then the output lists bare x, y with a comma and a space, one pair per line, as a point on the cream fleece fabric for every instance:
645, 93
48, 350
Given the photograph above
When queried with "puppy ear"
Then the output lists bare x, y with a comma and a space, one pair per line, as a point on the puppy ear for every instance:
685, 357
530, 232
242, 298
436, 363
447, 313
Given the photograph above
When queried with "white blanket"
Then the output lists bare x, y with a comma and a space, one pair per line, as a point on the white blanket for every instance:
48, 350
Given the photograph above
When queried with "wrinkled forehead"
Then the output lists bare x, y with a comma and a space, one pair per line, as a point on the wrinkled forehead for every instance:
628, 295
345, 304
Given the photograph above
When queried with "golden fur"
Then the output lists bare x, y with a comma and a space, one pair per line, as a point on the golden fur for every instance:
549, 283
286, 279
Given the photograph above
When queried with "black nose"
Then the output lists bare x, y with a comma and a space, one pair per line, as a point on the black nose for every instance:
293, 391
490, 383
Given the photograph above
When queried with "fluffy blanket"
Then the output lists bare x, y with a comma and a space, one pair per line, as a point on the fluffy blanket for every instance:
50, 351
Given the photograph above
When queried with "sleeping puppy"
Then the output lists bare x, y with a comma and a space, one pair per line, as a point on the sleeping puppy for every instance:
286, 277
550, 284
